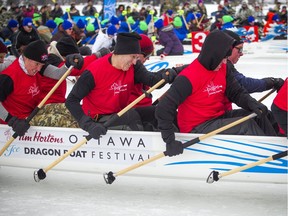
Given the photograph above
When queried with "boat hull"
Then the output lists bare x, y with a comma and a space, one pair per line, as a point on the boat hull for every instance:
118, 150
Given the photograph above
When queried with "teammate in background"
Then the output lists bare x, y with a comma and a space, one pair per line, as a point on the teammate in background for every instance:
19, 85
252, 85
279, 108
105, 87
54, 113
199, 93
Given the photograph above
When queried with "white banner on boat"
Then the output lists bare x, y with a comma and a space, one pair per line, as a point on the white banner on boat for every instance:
120, 149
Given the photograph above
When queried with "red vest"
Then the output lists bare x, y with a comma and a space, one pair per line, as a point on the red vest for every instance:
59, 94
207, 99
25, 95
112, 88
281, 98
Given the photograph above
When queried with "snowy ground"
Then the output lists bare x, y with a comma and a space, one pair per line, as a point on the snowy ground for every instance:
67, 193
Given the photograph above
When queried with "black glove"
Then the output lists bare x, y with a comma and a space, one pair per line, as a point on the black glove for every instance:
94, 129
258, 108
169, 75
174, 148
75, 60
20, 126
102, 52
276, 83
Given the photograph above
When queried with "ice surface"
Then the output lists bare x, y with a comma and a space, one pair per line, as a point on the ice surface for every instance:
74, 194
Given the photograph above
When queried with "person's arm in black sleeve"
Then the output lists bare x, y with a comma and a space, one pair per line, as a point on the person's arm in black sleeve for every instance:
235, 92
142, 75
6, 87
20, 126
166, 111
82, 87
179, 69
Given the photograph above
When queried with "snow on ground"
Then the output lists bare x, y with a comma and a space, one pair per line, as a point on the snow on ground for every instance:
67, 193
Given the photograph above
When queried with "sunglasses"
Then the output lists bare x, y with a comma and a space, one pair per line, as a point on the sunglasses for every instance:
240, 49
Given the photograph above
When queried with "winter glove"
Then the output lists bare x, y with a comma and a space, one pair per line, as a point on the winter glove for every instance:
75, 60
276, 83
258, 108
174, 148
102, 52
94, 129
169, 75
96, 15
124, 13
20, 126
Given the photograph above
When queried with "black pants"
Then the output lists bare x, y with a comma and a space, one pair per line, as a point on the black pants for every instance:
130, 120
147, 114
255, 126
149, 120
280, 117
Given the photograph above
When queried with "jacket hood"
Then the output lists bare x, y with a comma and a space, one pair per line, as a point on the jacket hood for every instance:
216, 47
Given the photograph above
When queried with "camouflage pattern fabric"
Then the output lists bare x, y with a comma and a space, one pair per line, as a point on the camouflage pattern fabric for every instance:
5, 17
54, 115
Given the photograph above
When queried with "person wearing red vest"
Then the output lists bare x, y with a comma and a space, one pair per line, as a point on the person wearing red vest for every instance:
199, 94
20, 88
146, 46
105, 87
145, 108
279, 108
54, 113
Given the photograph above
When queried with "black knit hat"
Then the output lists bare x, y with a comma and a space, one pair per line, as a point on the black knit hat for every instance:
127, 43
36, 51
66, 46
235, 36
